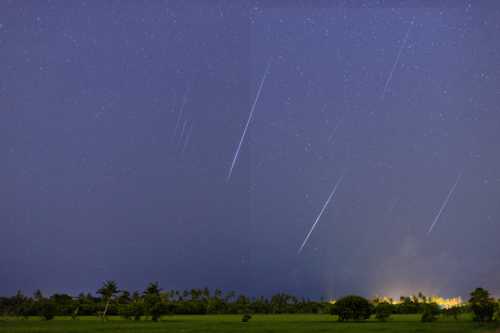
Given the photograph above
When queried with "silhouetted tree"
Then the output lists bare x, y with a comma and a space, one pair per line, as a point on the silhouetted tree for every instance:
64, 304
48, 309
108, 290
430, 312
482, 305
22, 305
37, 295
353, 308
246, 317
124, 297
154, 305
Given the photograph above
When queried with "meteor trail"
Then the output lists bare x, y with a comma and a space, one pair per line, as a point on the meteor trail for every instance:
335, 131
389, 78
443, 206
321, 213
188, 137
235, 158
182, 131
181, 111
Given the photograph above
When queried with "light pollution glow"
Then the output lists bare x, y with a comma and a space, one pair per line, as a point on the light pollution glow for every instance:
444, 303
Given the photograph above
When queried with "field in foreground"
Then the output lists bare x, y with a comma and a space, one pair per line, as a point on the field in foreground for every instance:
232, 323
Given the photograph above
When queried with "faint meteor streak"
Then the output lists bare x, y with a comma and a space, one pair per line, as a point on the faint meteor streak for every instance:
321, 213
182, 131
445, 203
335, 131
181, 111
235, 158
187, 139
389, 78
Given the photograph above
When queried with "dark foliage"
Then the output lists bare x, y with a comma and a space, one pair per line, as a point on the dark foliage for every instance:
383, 311
48, 310
353, 308
133, 310
482, 305
430, 312
155, 302
454, 311
408, 306
246, 317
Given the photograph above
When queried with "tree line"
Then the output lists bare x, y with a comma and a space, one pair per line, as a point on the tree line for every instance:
153, 302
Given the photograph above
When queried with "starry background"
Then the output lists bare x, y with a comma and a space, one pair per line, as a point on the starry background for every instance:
119, 121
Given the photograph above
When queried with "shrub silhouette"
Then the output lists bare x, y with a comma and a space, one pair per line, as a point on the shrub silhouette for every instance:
430, 313
383, 311
48, 310
482, 305
353, 308
246, 317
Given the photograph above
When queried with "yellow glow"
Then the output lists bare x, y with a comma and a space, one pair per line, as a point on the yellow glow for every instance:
444, 303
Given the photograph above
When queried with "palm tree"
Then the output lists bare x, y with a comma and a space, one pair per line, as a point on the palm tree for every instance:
218, 294
108, 290
195, 294
205, 293
38, 296
422, 297
152, 289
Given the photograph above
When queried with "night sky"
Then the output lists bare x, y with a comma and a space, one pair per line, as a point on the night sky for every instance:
120, 120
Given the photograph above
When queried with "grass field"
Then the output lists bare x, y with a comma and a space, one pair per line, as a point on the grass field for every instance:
232, 323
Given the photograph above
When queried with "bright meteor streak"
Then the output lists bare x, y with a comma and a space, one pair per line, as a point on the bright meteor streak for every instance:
445, 203
236, 154
321, 213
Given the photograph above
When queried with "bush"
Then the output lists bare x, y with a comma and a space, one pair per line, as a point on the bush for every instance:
137, 310
383, 311
482, 305
125, 310
352, 308
246, 317
134, 310
430, 313
454, 312
155, 311
497, 315
153, 302
24, 310
48, 310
